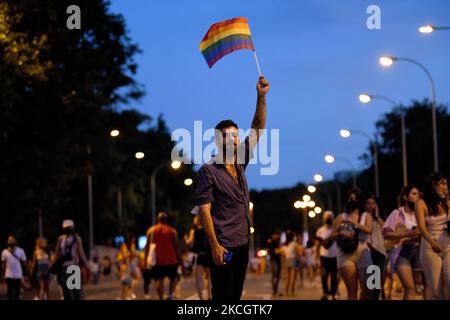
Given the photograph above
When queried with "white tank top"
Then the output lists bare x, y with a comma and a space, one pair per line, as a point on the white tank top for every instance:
410, 220
290, 250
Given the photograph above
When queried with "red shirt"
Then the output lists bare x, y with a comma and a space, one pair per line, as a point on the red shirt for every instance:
163, 237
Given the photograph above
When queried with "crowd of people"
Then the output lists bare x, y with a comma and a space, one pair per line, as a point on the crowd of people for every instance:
409, 246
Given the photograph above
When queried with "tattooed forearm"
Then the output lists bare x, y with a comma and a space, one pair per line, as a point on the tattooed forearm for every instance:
259, 119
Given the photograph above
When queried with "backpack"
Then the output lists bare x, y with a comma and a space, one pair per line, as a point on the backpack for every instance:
348, 245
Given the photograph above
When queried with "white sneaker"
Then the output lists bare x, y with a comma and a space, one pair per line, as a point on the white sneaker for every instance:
133, 297
147, 296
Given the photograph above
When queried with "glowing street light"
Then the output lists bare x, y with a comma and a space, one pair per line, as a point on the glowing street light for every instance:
311, 204
317, 210
252, 230
329, 158
426, 29
344, 133
311, 214
297, 204
139, 155
312, 189
364, 98
306, 198
176, 164
386, 61
188, 182
250, 205
114, 133
318, 178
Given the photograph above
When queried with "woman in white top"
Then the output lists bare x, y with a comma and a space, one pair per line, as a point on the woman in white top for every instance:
433, 220
376, 239
291, 253
401, 227
353, 265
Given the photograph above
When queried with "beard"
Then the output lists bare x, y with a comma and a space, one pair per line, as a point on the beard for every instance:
230, 151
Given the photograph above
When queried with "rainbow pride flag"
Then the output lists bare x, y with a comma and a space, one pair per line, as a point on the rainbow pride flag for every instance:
225, 37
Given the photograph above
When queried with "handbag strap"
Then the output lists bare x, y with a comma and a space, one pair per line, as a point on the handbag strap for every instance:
12, 253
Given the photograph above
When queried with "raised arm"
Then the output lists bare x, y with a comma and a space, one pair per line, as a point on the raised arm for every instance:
259, 119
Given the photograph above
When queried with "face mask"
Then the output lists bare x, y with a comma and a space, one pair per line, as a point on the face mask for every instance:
411, 205
329, 222
353, 204
68, 231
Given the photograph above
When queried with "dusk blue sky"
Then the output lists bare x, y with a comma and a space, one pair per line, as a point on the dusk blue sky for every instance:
317, 55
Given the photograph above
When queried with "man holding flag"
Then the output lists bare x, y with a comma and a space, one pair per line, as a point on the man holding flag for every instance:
223, 199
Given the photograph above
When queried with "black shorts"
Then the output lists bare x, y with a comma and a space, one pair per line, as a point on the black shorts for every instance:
161, 272
203, 260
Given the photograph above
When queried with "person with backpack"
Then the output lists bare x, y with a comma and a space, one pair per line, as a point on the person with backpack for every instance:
14, 267
69, 252
328, 257
351, 230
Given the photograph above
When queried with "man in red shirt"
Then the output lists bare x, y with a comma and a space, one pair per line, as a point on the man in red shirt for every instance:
167, 254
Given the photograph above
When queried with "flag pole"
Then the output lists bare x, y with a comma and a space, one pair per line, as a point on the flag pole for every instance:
257, 63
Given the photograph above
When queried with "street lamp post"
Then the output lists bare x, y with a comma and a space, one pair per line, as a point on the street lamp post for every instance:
90, 202
345, 133
175, 165
430, 28
388, 61
366, 98
114, 134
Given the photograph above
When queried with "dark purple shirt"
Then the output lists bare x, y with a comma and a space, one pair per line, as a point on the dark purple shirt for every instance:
229, 201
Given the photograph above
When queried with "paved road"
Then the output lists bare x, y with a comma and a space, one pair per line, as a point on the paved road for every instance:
257, 287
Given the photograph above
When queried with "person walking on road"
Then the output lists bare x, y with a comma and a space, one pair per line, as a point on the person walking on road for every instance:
351, 230
69, 253
401, 226
433, 219
196, 241
328, 257
167, 253
41, 269
273, 246
376, 240
13, 265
